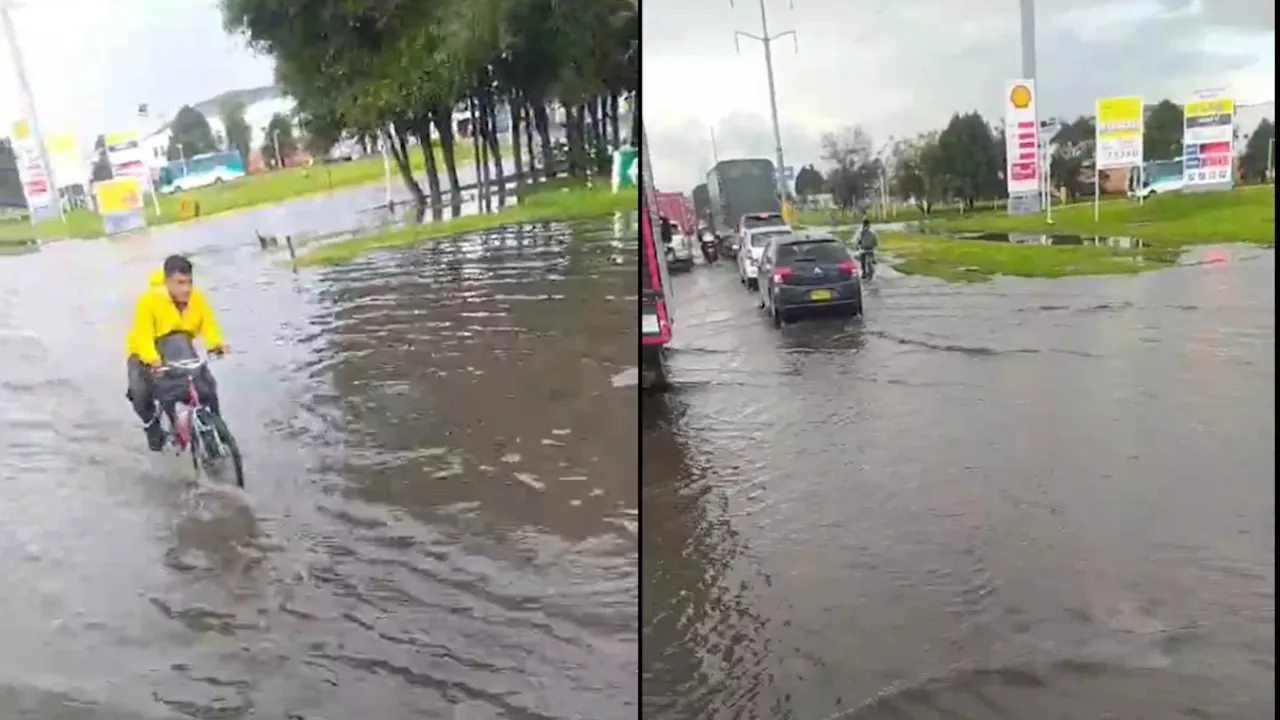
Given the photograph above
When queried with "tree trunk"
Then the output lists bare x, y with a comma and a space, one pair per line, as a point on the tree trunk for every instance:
528, 144
543, 125
614, 120
442, 118
422, 128
597, 136
515, 108
395, 146
480, 167
495, 148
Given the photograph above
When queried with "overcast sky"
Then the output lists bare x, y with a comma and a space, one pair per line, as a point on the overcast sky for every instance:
91, 62
898, 67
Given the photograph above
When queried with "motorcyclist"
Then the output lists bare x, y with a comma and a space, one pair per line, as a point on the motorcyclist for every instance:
169, 315
666, 229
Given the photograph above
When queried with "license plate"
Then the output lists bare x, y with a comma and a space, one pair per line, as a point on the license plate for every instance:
649, 325
819, 295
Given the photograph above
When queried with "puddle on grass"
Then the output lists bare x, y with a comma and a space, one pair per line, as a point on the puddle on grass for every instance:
1119, 242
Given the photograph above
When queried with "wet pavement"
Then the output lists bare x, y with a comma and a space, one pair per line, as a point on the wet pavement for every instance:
1012, 500
441, 512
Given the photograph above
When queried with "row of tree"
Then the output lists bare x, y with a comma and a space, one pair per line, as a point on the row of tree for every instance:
399, 69
965, 161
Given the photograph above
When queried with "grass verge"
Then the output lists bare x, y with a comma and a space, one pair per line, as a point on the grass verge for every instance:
252, 191
555, 204
979, 260
1245, 215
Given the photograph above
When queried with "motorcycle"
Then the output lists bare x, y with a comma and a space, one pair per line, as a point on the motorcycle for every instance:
710, 251
867, 261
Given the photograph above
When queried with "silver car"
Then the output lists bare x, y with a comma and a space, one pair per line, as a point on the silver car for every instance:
754, 242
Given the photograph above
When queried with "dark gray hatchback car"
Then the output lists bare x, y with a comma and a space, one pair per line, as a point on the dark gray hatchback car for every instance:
808, 273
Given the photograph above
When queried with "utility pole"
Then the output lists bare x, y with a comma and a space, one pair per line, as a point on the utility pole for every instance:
28, 99
765, 39
715, 154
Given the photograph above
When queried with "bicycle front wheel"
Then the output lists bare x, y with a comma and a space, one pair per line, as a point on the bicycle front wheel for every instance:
221, 449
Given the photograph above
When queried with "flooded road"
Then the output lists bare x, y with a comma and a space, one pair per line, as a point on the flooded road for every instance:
441, 507
1014, 500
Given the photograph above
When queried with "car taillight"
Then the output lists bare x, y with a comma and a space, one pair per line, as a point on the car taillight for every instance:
848, 268
781, 274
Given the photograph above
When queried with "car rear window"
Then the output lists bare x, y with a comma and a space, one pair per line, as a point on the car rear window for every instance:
770, 220
761, 239
817, 251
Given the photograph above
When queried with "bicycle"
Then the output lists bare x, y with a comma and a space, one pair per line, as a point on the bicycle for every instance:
193, 427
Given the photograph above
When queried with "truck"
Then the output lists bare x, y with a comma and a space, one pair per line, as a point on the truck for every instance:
701, 205
740, 187
677, 208
656, 311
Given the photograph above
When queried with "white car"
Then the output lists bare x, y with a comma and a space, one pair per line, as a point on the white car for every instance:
754, 242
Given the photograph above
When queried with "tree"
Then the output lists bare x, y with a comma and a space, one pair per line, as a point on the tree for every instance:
101, 163
1257, 158
369, 67
917, 171
239, 135
970, 158
1073, 152
1162, 132
191, 134
11, 191
809, 181
279, 144
855, 171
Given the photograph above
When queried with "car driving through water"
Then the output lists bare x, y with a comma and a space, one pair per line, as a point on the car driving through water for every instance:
754, 242
808, 273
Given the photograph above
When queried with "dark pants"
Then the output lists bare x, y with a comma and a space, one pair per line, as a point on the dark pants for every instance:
145, 389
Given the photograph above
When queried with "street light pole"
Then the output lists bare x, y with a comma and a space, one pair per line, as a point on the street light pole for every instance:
765, 39
28, 98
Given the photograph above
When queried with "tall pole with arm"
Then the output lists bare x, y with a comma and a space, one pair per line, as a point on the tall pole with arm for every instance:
765, 39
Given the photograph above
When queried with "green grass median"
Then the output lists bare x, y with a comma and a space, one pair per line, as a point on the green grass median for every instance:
251, 191
1243, 215
557, 202
978, 260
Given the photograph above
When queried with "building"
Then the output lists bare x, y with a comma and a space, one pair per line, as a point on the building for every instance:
1248, 117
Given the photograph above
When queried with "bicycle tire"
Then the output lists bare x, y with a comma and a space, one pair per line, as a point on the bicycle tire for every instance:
219, 427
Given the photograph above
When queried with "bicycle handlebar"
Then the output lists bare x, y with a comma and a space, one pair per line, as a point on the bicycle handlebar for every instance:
187, 365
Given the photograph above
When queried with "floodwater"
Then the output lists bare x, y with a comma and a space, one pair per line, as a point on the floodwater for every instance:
1013, 500
441, 506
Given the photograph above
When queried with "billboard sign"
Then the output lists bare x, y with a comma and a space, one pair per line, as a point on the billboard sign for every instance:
120, 203
1207, 139
1118, 138
37, 183
1022, 147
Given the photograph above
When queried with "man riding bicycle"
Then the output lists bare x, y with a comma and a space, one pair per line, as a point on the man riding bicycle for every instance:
867, 238
169, 315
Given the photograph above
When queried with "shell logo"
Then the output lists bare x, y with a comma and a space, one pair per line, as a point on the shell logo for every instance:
1020, 97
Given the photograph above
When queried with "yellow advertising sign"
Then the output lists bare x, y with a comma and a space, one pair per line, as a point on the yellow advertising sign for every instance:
121, 195
61, 144
1119, 117
21, 130
1208, 108
120, 138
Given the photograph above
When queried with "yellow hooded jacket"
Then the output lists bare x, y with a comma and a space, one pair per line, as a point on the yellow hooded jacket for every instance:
157, 316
